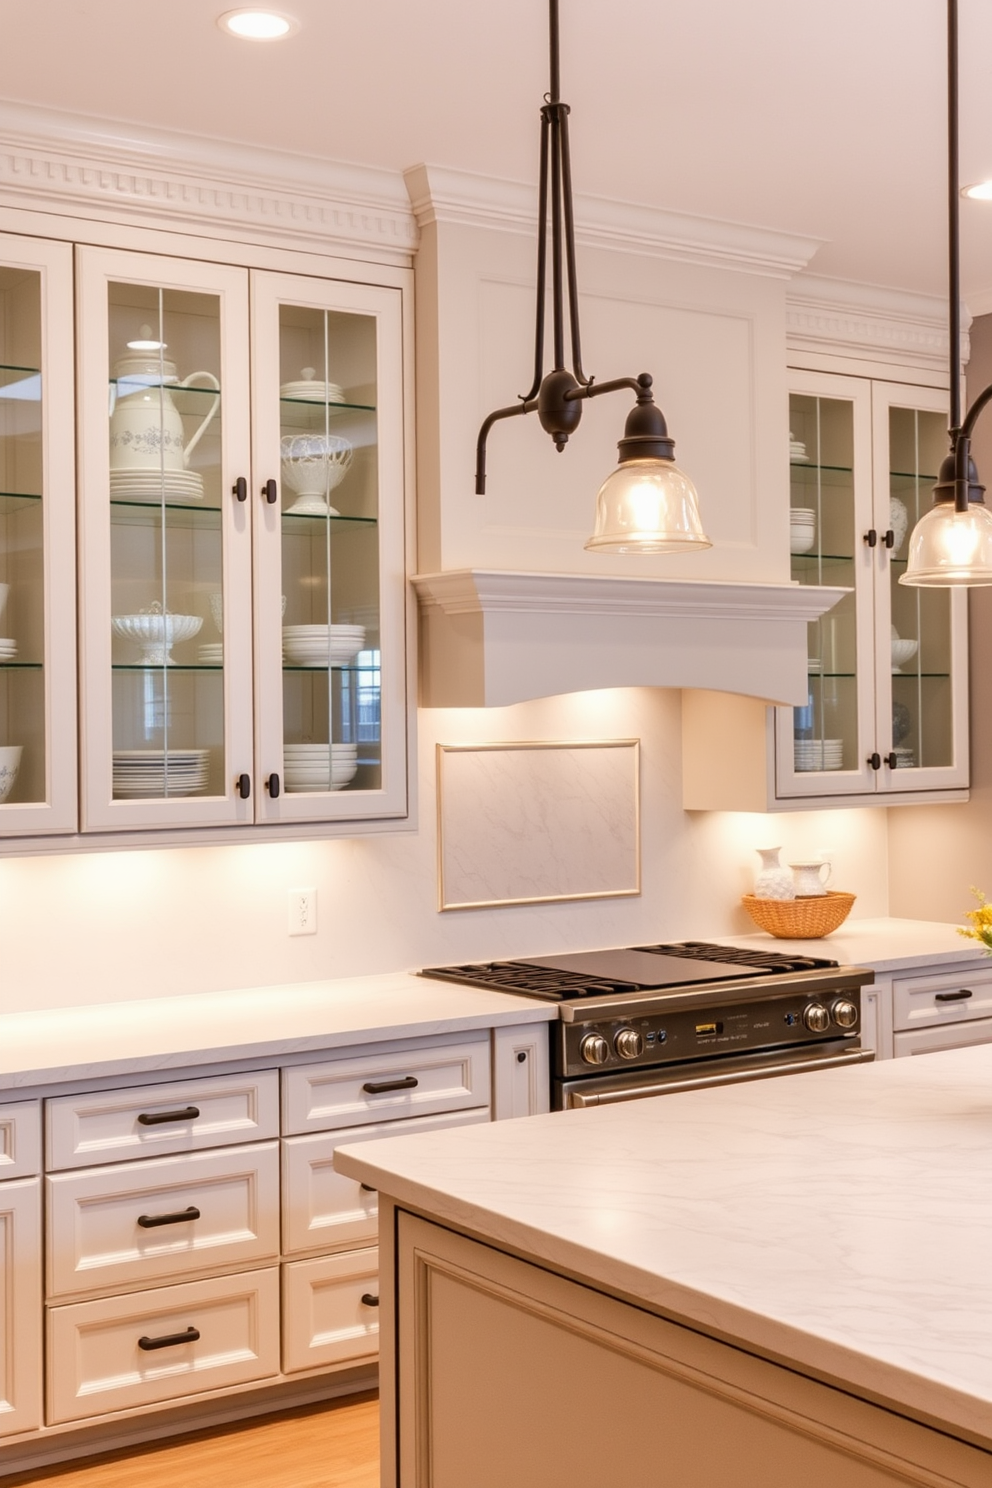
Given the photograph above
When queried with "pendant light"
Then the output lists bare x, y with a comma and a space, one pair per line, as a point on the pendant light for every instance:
951, 545
647, 505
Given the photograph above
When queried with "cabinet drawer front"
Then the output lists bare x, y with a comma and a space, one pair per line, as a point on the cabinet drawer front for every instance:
98, 1365
323, 1209
20, 1140
353, 1092
325, 1320
219, 1209
21, 1362
111, 1125
934, 1040
942, 997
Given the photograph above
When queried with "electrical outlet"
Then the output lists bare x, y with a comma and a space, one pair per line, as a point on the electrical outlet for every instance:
303, 911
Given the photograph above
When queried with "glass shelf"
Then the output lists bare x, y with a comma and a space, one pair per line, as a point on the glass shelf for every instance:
811, 466
910, 475
9, 496
142, 382
920, 676
813, 557
21, 666
331, 408
340, 520
358, 671
173, 668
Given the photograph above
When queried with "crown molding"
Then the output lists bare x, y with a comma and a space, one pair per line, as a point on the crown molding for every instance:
83, 165
439, 195
836, 317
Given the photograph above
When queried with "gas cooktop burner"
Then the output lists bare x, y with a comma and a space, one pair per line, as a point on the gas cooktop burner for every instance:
624, 972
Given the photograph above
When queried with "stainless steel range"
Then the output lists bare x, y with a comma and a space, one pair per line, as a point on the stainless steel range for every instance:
656, 1019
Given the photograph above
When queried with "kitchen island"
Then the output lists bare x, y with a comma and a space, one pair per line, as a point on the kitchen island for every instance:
773, 1284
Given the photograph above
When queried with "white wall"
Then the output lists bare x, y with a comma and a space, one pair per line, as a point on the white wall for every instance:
117, 926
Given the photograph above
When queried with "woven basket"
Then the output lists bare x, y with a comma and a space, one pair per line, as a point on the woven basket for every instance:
799, 919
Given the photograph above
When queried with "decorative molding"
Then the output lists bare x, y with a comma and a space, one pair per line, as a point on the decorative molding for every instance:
836, 317
441, 195
74, 164
493, 637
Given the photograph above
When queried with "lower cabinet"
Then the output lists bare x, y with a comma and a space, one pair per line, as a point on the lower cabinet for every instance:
945, 1008
20, 1304
330, 1309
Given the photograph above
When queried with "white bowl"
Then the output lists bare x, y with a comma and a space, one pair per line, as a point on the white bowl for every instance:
801, 539
313, 464
903, 650
156, 634
10, 764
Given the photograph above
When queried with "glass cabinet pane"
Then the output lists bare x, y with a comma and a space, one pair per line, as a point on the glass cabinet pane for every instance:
166, 554
22, 530
822, 533
329, 492
921, 630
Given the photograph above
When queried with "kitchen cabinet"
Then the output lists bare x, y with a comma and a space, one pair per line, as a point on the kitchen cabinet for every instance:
949, 1008
886, 717
37, 539
242, 545
20, 1268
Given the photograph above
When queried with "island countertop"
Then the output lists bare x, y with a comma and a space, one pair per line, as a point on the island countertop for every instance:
839, 1222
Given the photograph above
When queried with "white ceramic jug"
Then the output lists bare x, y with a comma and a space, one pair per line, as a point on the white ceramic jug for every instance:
808, 879
146, 429
773, 881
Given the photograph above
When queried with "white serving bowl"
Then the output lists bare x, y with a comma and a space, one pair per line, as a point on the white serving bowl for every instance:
903, 650
314, 464
156, 634
10, 764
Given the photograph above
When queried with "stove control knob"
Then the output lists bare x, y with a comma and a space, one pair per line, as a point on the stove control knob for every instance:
845, 1013
816, 1018
628, 1043
594, 1049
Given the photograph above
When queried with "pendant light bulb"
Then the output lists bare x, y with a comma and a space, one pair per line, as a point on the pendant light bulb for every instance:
647, 506
951, 549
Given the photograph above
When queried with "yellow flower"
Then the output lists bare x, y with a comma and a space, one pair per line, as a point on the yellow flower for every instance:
981, 922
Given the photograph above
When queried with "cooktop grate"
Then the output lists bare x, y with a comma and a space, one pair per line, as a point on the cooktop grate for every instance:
776, 963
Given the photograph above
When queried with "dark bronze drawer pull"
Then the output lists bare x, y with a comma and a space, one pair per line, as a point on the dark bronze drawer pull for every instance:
240, 488
379, 1087
159, 1118
169, 1340
961, 996
271, 492
369, 1300
152, 1221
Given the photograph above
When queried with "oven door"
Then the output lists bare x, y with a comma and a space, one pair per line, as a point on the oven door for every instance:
606, 1090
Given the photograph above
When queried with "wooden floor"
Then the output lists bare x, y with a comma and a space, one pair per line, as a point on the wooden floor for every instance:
320, 1446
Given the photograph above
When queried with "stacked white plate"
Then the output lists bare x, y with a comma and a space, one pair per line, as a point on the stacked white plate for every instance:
309, 390
814, 666
322, 645
145, 772
319, 767
819, 754
8, 649
156, 485
905, 757
211, 654
802, 529
797, 450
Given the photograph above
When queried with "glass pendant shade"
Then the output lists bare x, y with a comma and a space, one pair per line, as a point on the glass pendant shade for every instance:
949, 548
647, 506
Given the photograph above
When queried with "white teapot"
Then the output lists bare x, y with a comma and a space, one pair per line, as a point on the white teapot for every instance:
146, 428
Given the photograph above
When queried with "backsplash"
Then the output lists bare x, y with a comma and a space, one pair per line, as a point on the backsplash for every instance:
100, 927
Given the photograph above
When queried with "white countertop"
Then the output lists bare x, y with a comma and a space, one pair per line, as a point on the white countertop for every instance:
43, 1048
840, 1221
885, 944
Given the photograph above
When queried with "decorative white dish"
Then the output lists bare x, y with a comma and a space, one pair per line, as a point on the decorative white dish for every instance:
10, 764
313, 465
156, 633
308, 390
156, 485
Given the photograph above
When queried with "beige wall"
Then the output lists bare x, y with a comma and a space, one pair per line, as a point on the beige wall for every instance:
937, 852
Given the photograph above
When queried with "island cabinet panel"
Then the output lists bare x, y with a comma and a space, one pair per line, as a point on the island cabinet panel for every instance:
508, 1373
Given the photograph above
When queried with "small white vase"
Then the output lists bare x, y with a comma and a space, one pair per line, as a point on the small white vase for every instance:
772, 881
899, 522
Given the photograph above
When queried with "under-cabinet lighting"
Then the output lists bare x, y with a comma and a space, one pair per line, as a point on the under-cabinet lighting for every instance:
258, 25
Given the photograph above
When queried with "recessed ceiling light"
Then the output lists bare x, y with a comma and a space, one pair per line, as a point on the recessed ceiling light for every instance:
981, 192
258, 25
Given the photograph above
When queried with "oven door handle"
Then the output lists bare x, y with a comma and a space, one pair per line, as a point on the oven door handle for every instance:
605, 1097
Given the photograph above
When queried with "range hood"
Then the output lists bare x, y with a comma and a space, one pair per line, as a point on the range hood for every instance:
493, 637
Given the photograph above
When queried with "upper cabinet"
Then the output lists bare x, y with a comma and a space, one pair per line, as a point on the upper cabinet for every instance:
37, 539
886, 711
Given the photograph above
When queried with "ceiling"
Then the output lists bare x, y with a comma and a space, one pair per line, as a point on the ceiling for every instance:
820, 117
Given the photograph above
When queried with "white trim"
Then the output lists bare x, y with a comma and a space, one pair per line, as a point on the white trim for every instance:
842, 318
164, 178
451, 196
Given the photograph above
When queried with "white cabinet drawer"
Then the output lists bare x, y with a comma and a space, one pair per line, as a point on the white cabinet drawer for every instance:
942, 997
99, 1353
219, 1209
322, 1209
20, 1140
933, 1040
111, 1125
21, 1362
325, 1320
428, 1078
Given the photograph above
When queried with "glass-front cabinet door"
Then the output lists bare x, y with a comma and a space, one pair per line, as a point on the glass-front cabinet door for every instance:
329, 549
922, 717
37, 539
166, 541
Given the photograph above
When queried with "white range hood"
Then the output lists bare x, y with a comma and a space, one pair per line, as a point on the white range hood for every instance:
490, 638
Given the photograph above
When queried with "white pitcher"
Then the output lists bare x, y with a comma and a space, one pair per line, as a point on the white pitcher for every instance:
146, 429
772, 881
808, 878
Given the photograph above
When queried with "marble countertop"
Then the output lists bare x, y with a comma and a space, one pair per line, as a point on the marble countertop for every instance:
885, 944
840, 1221
46, 1047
